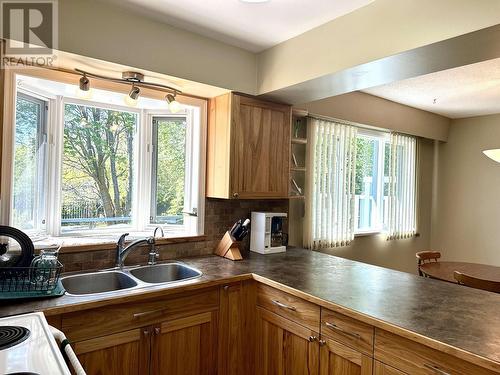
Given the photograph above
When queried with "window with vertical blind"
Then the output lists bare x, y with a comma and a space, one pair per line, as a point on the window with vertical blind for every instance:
361, 181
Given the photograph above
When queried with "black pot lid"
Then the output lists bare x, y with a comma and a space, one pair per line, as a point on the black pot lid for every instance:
16, 248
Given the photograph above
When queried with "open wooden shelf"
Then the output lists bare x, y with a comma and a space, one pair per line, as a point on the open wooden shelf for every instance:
299, 141
296, 197
298, 169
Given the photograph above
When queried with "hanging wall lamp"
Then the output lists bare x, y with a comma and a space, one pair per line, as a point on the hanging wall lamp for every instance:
136, 80
493, 154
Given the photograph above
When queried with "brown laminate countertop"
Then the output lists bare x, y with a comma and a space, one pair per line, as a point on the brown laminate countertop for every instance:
453, 318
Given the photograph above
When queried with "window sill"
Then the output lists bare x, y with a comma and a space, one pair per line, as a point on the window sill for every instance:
367, 233
84, 244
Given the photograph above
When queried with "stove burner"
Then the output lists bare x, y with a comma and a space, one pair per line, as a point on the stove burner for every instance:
12, 335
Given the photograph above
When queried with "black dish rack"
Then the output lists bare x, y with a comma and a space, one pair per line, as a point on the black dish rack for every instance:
30, 282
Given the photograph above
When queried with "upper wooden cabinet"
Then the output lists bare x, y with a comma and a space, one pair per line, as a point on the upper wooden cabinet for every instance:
248, 148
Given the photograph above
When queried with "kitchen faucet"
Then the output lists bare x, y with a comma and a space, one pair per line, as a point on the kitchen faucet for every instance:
122, 251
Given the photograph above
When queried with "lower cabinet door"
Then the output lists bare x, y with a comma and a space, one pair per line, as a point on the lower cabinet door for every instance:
339, 359
124, 353
185, 346
285, 347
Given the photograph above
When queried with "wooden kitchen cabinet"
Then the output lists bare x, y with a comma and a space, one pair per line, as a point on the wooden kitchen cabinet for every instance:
339, 359
173, 335
124, 353
185, 346
248, 148
285, 347
236, 345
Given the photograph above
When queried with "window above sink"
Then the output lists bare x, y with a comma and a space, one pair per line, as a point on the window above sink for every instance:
88, 166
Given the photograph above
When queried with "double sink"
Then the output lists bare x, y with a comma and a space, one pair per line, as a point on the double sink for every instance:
113, 280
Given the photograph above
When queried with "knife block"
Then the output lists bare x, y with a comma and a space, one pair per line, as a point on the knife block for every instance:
228, 248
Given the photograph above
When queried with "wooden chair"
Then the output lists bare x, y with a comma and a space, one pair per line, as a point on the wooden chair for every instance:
474, 282
426, 257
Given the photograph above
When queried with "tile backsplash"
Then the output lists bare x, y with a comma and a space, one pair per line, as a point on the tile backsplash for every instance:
220, 214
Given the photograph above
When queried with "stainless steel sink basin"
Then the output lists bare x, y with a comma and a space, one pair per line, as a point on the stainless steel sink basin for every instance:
164, 273
97, 282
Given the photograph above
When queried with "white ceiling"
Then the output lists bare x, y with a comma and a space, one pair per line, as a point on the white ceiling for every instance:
467, 91
252, 26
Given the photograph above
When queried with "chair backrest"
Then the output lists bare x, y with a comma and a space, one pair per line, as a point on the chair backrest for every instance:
426, 257
474, 282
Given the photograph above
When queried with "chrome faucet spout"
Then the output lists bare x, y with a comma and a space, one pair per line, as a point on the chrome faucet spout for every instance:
122, 252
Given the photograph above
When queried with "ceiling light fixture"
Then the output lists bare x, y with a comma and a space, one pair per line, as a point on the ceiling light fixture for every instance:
493, 154
173, 105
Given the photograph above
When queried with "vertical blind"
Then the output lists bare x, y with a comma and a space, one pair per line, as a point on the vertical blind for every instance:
330, 190
402, 218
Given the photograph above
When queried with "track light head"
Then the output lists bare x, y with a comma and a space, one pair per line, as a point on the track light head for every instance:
134, 92
173, 105
84, 83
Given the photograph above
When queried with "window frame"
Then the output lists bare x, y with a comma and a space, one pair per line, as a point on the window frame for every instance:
39, 216
383, 137
195, 109
191, 203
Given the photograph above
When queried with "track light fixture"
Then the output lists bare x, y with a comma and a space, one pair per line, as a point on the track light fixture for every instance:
136, 79
173, 105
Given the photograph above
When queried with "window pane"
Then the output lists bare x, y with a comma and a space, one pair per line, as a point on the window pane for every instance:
387, 160
97, 174
169, 171
366, 183
29, 156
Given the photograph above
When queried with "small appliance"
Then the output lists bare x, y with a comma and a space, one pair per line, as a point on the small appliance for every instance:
267, 235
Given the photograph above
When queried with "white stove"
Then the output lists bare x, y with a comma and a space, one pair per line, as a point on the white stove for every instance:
27, 344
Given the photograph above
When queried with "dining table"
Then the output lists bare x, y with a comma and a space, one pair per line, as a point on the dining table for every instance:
444, 270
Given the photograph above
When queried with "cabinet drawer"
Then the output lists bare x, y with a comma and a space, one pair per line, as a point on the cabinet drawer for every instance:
383, 369
294, 308
121, 317
346, 330
417, 359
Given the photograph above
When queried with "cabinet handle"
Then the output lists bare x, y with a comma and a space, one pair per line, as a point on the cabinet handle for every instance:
145, 332
312, 338
226, 287
436, 369
148, 313
322, 342
337, 328
157, 331
235, 195
283, 306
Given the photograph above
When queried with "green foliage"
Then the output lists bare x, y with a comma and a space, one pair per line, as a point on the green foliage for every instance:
171, 146
98, 158
25, 161
364, 161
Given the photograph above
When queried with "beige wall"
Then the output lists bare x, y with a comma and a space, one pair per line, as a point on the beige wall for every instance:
466, 226
381, 29
104, 31
372, 110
